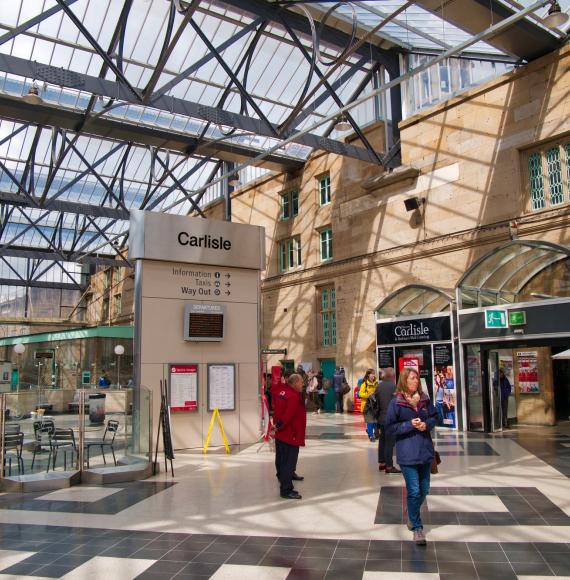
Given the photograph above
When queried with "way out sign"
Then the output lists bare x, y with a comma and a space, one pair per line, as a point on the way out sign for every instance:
496, 319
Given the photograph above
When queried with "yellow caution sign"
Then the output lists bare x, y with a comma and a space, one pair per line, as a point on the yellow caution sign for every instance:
216, 413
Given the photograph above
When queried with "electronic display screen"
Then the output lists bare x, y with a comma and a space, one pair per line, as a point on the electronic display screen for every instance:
204, 322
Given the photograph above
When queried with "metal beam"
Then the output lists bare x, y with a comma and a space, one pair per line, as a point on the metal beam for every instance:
111, 89
44, 254
47, 115
38, 284
328, 34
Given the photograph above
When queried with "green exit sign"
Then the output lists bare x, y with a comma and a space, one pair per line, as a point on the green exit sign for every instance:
517, 318
496, 319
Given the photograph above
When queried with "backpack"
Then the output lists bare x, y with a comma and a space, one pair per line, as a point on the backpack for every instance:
371, 409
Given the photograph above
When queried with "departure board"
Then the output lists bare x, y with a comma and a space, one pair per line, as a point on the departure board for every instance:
204, 322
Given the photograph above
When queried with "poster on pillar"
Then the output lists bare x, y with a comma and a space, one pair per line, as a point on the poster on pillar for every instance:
528, 372
183, 387
444, 384
419, 358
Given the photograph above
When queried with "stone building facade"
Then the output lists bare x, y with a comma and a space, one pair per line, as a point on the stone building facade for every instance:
465, 160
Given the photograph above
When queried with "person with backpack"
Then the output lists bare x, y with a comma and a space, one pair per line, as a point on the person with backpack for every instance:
367, 388
385, 392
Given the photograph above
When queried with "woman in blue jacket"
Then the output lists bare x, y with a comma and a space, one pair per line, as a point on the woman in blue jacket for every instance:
410, 418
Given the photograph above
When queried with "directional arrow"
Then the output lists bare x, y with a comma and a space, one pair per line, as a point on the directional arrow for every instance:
228, 284
228, 275
228, 292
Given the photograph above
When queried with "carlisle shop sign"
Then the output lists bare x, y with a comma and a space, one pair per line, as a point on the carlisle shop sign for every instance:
431, 329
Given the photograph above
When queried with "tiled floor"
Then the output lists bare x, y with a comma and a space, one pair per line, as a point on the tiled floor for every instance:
497, 510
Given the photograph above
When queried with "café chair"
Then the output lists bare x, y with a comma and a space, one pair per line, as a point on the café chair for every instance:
62, 440
13, 443
108, 440
43, 431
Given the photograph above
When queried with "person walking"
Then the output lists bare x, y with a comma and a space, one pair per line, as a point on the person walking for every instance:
385, 392
339, 382
367, 388
410, 418
290, 421
312, 390
505, 385
321, 391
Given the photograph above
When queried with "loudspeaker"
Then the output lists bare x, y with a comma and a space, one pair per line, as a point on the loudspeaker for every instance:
412, 203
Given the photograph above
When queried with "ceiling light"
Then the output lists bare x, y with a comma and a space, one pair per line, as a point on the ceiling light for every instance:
33, 96
342, 124
555, 17
234, 180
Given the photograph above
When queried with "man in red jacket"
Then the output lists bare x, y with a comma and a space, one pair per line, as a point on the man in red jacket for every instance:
290, 421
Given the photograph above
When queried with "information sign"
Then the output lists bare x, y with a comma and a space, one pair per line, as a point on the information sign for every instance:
183, 387
221, 387
204, 322
496, 319
85, 377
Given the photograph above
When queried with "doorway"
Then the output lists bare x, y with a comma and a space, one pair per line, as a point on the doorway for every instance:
328, 366
561, 383
494, 420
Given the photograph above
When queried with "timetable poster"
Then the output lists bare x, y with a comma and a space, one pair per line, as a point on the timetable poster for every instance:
221, 387
184, 387
528, 372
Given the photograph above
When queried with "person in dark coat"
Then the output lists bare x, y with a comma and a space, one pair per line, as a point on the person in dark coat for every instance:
385, 392
410, 418
505, 385
290, 421
338, 383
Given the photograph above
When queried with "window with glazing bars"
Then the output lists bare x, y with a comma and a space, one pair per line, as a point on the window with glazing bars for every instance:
326, 244
548, 174
290, 254
324, 189
328, 316
289, 205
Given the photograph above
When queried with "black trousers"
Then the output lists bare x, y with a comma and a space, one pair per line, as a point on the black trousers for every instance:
339, 402
286, 456
385, 447
505, 411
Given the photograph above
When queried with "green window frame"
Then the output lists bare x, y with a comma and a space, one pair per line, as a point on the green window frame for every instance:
289, 205
548, 174
290, 254
326, 244
328, 316
325, 190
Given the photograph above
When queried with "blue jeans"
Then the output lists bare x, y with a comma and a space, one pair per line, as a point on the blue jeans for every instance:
370, 430
417, 487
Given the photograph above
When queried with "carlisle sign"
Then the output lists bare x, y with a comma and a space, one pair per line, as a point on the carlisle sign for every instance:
431, 329
190, 240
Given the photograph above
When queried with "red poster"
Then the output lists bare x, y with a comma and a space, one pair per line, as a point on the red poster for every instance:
405, 362
184, 387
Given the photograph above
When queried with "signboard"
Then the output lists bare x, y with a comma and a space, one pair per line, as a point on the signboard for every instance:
386, 358
174, 238
282, 351
204, 322
43, 354
444, 384
221, 387
183, 387
496, 319
86, 377
517, 318
432, 329
528, 372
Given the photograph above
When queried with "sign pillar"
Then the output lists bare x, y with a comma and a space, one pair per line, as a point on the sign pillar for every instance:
197, 319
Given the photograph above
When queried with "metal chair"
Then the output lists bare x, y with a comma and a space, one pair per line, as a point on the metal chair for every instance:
43, 431
107, 441
13, 444
64, 440
12, 428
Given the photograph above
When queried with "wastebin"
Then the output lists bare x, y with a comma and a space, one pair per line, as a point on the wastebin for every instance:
97, 408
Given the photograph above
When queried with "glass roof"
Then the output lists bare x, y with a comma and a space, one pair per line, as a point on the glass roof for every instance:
414, 299
255, 77
500, 276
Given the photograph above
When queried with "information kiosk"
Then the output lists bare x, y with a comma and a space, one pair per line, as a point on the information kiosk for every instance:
197, 321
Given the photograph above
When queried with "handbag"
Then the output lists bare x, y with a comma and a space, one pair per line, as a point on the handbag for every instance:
345, 389
435, 462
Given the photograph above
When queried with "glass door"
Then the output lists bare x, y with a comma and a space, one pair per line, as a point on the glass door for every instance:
494, 392
474, 388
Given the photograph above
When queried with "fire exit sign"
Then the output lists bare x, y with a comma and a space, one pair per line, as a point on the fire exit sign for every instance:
496, 319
